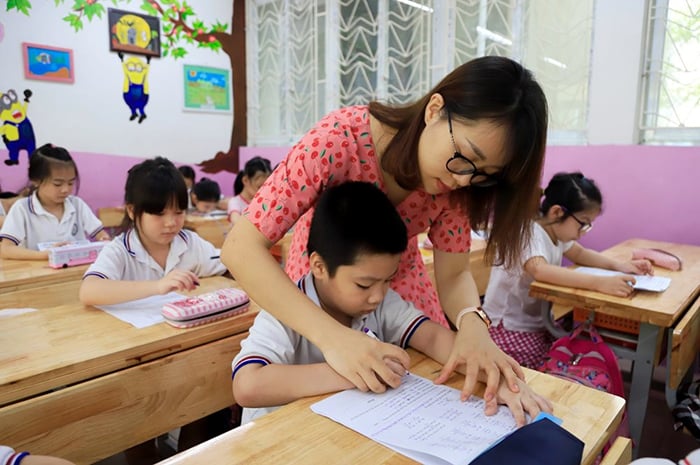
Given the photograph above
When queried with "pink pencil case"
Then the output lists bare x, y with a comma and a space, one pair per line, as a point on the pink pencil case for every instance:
659, 258
205, 308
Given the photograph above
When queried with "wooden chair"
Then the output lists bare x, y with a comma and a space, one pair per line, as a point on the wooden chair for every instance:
620, 453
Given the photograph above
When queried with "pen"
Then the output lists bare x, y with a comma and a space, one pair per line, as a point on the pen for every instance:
214, 257
371, 334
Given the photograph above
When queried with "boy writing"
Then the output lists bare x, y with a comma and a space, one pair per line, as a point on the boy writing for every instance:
355, 245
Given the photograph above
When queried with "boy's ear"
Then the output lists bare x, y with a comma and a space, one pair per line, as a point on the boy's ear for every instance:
556, 212
130, 211
317, 265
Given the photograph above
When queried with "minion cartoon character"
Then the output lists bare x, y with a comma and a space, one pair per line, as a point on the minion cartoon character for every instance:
16, 129
135, 88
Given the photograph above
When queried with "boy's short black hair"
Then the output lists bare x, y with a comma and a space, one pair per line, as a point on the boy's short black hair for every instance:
355, 218
207, 190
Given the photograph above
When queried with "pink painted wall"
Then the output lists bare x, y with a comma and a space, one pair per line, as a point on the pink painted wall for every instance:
102, 177
650, 192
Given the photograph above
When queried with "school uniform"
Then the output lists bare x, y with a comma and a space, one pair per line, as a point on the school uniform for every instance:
517, 325
28, 223
269, 341
236, 205
125, 258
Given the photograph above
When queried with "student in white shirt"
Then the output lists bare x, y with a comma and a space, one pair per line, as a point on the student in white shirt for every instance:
570, 205
8, 456
248, 181
355, 245
205, 196
51, 213
154, 255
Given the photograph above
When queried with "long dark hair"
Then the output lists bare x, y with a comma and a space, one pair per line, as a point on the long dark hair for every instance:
498, 90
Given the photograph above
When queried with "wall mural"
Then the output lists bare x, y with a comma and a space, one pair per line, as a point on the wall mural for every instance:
181, 28
16, 129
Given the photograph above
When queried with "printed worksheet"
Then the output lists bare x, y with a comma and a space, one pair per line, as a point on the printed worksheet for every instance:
424, 421
643, 282
142, 312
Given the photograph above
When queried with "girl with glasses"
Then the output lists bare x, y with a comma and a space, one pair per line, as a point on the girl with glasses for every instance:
467, 153
570, 205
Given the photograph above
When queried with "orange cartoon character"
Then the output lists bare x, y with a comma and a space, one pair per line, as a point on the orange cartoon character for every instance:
16, 129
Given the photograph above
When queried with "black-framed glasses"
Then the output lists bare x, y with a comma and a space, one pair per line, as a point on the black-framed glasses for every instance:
461, 165
584, 226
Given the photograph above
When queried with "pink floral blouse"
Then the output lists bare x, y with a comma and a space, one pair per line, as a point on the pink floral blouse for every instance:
339, 149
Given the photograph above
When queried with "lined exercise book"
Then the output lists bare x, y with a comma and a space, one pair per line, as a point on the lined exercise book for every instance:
644, 283
421, 420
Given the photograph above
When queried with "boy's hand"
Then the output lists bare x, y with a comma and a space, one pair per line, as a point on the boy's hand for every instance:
519, 403
617, 285
177, 280
641, 266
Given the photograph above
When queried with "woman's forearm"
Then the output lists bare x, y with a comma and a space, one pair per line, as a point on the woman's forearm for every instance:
246, 254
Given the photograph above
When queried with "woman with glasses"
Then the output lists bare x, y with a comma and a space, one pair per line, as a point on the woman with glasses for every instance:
570, 205
466, 155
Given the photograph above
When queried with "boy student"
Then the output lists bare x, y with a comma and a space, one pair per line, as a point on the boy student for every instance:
355, 245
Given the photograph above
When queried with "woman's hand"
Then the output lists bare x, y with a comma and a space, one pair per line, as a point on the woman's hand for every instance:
367, 363
526, 401
474, 349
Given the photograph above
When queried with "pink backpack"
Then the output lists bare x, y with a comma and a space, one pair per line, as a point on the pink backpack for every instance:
587, 360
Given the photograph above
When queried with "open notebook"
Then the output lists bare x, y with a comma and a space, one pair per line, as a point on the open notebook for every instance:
644, 283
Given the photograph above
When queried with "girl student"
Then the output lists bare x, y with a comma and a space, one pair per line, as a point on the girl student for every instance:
205, 196
51, 213
570, 205
154, 255
248, 181
468, 151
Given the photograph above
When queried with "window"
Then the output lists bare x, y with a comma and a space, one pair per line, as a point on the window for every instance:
671, 80
308, 57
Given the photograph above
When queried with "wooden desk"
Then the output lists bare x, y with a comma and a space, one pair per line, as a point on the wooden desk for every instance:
656, 312
480, 270
211, 228
17, 275
296, 435
77, 383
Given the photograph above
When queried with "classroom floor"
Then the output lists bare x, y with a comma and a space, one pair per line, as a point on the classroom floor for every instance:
658, 440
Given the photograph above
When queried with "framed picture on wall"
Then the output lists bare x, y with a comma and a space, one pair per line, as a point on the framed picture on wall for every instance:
132, 32
46, 63
207, 89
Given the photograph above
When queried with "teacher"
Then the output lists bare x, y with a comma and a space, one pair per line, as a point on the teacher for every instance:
467, 155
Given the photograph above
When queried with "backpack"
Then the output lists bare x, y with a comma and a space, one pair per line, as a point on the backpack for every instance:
588, 361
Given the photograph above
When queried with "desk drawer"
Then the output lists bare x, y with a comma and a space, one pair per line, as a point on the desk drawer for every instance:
685, 344
98, 418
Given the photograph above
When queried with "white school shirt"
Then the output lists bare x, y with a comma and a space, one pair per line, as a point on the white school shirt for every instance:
269, 341
507, 295
28, 223
236, 204
125, 258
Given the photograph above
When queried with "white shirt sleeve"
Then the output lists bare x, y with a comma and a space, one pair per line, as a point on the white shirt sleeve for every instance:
111, 261
90, 223
398, 319
268, 342
204, 251
16, 224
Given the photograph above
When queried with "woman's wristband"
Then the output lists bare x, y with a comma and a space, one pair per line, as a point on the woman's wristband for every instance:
479, 312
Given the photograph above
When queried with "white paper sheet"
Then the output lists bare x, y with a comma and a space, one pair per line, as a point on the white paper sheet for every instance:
142, 312
644, 283
422, 420
8, 312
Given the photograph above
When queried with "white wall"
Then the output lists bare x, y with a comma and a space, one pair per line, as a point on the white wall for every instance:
90, 115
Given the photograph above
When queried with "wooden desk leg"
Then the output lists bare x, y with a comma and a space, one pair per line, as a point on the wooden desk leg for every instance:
671, 392
641, 381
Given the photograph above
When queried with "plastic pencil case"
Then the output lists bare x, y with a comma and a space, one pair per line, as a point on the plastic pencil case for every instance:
74, 254
659, 258
205, 308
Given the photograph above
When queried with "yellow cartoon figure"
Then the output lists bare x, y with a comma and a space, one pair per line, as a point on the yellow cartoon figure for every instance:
135, 88
16, 129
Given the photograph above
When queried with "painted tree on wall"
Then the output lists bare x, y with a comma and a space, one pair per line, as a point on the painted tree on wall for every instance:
182, 29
